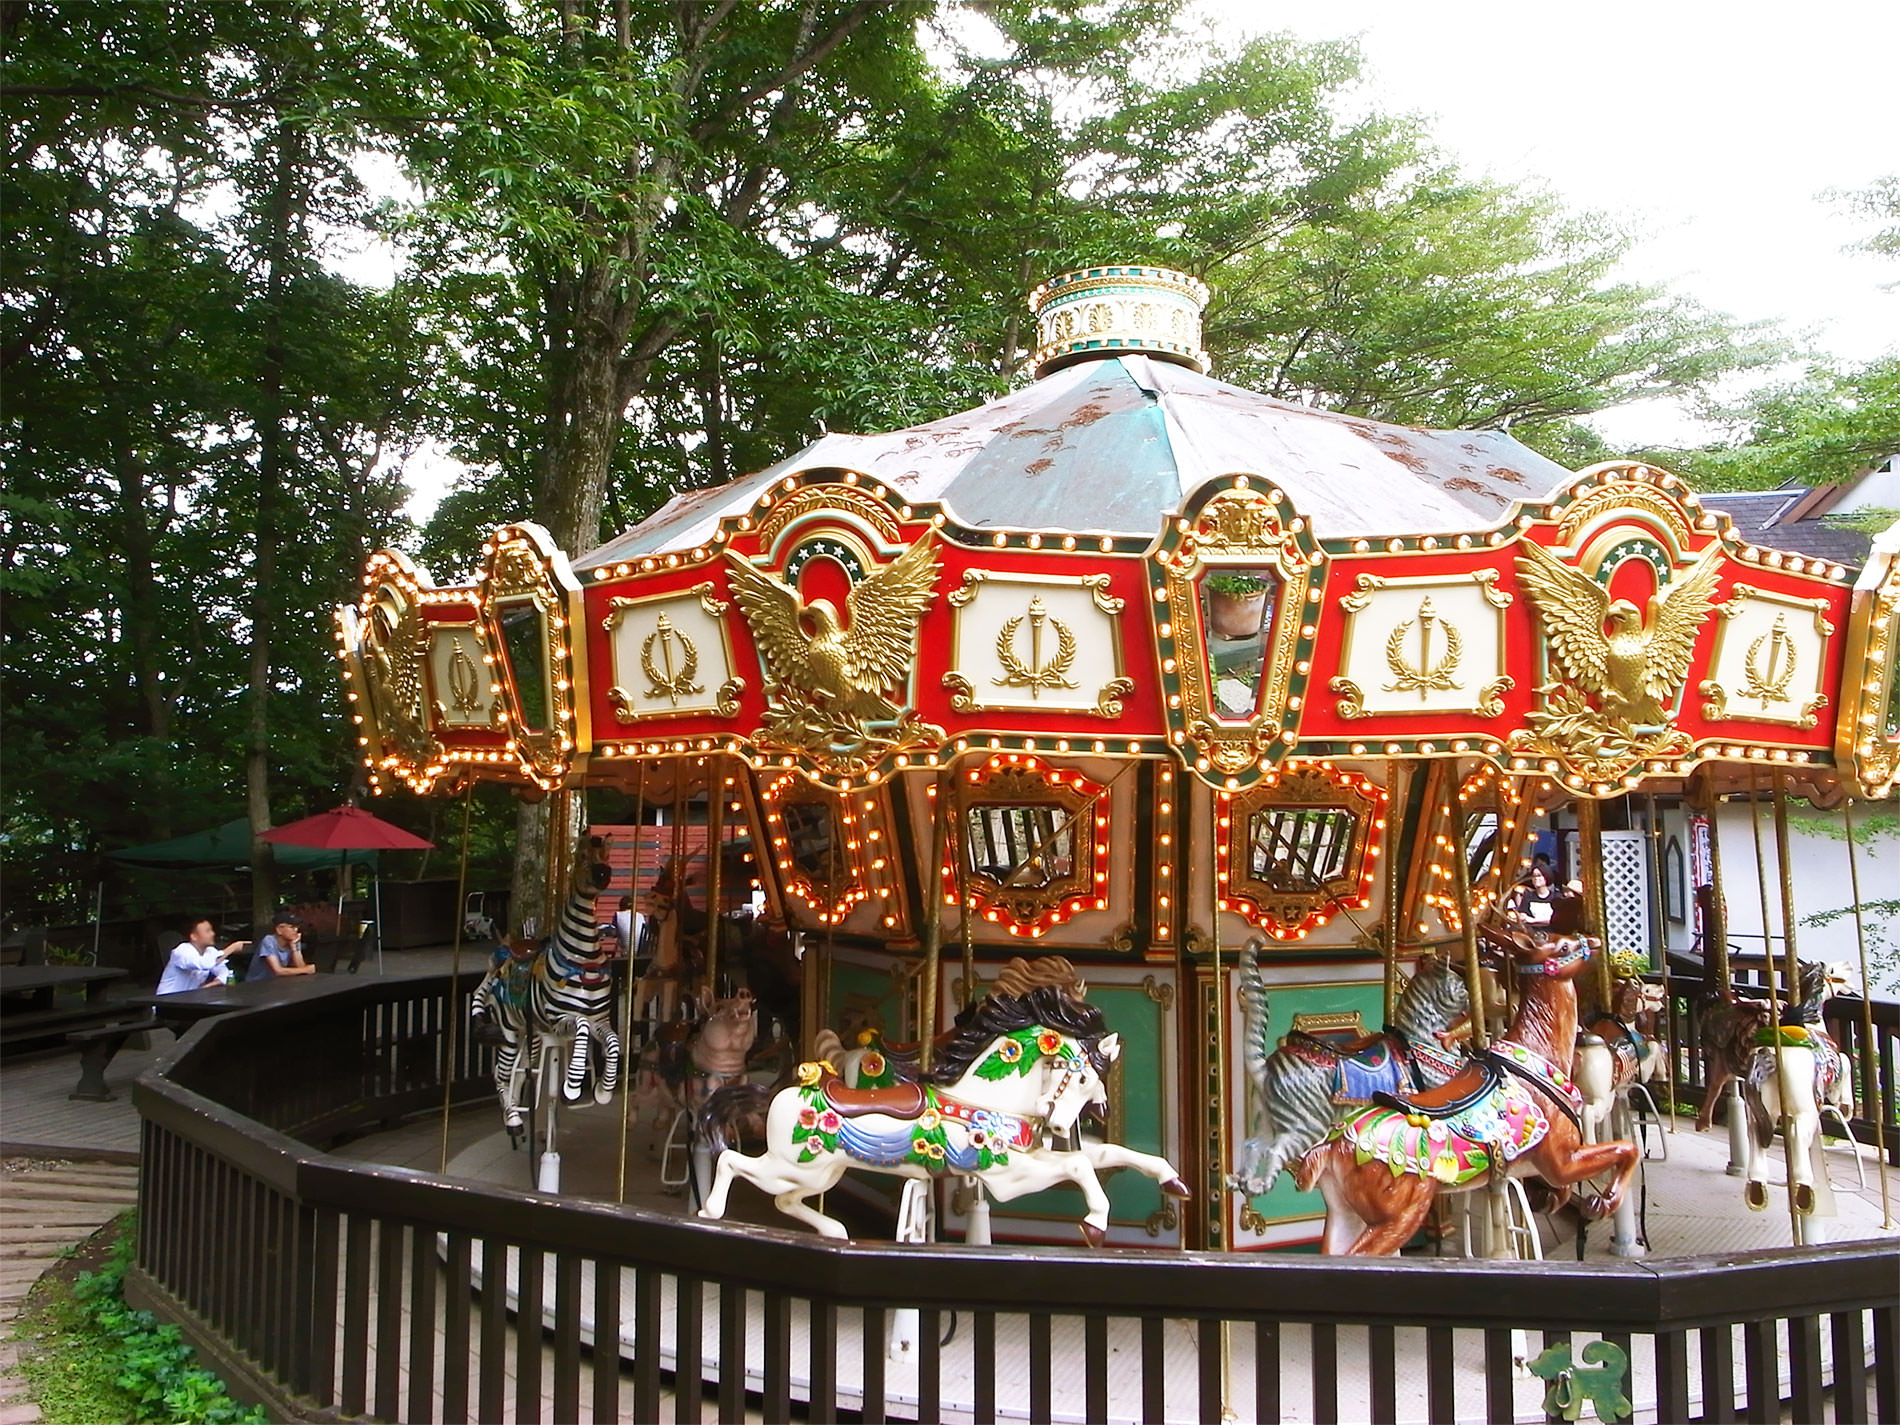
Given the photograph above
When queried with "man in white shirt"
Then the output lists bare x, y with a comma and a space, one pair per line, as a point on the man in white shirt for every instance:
196, 962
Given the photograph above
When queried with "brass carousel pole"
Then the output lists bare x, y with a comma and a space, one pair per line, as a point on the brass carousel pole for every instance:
1660, 907
715, 864
453, 1009
1715, 932
960, 848
1596, 920
1871, 1096
1774, 997
1398, 780
1467, 915
626, 1013
933, 925
1792, 972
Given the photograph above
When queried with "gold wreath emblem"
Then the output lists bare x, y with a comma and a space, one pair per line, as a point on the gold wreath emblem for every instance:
1035, 674
664, 681
1426, 674
1768, 677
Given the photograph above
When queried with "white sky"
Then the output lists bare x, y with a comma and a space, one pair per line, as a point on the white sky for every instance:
1707, 129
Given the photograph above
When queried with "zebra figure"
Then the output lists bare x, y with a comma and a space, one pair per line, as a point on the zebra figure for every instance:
1301, 1084
498, 1015
570, 991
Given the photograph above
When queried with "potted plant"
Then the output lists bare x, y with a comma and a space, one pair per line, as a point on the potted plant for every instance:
1236, 604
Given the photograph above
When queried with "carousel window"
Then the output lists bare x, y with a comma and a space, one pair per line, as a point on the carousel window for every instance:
524, 639
1299, 848
1034, 845
1237, 613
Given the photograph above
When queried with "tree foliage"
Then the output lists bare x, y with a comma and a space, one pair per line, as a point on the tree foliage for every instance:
643, 247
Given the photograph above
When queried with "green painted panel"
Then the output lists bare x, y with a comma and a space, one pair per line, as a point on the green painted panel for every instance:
1285, 1203
1137, 1088
865, 993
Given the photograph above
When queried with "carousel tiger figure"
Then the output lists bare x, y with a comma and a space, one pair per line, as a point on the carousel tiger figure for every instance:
1302, 1084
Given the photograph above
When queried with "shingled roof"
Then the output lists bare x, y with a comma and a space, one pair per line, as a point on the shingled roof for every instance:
1793, 518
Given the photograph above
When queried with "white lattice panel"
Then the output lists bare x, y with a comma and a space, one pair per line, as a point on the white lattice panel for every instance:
1626, 889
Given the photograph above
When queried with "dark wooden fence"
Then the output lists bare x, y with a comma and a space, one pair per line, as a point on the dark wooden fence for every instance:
331, 1288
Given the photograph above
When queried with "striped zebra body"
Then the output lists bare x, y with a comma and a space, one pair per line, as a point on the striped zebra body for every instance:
570, 996
498, 1011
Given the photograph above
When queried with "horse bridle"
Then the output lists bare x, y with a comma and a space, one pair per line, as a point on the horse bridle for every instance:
1557, 964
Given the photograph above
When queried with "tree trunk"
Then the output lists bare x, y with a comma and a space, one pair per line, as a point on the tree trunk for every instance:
273, 441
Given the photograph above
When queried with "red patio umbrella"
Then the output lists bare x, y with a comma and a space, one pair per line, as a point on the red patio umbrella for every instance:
344, 829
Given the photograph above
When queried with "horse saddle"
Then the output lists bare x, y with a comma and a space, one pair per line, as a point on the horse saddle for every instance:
1367, 1045
1449, 1099
904, 1099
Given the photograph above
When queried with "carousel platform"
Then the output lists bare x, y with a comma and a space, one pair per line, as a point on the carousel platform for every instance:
1694, 1208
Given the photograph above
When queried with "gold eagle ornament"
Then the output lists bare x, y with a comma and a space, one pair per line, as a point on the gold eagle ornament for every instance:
829, 674
1636, 669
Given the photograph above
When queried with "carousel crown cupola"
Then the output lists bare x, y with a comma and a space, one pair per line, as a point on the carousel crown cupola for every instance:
1096, 312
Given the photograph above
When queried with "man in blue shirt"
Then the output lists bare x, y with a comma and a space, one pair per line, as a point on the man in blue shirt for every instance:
280, 952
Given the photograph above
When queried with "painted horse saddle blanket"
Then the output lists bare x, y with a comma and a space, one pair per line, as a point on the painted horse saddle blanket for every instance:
1462, 1136
1361, 1066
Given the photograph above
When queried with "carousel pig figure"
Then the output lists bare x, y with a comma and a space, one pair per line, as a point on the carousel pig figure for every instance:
725, 1038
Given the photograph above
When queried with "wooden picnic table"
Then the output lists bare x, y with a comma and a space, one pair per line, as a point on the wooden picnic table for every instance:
174, 1012
26, 989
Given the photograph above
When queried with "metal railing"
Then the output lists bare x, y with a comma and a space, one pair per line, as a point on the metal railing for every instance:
329, 1288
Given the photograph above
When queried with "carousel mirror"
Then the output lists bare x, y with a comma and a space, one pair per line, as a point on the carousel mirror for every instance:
1034, 841
1237, 613
1295, 851
1020, 845
814, 843
1299, 848
524, 641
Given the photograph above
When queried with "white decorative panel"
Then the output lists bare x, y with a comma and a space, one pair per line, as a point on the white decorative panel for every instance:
1626, 890
461, 682
1431, 645
670, 656
1035, 644
1770, 654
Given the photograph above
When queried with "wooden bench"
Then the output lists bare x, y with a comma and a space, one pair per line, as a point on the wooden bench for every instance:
100, 1043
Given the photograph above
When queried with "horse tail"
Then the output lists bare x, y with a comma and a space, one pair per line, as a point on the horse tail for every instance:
1761, 1073
1258, 1046
728, 1109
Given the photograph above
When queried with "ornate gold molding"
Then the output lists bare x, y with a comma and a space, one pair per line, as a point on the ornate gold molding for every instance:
1079, 815
1295, 818
1161, 993
1035, 649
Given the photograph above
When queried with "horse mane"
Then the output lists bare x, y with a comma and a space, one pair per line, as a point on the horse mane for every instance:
1046, 992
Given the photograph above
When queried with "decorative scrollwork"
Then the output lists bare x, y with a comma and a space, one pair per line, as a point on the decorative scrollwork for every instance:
1108, 701
962, 692
1352, 701
1158, 991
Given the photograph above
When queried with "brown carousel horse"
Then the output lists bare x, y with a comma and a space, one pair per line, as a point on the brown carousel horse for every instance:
682, 929
1513, 1111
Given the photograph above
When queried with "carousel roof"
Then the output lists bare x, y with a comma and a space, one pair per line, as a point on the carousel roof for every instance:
1112, 446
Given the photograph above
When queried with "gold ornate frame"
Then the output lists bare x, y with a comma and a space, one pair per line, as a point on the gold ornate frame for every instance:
523, 566
1016, 780
1238, 524
1291, 915
629, 710
1868, 680
1717, 708
385, 648
965, 690
1487, 701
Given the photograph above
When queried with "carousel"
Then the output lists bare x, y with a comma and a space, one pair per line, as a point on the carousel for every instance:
1104, 809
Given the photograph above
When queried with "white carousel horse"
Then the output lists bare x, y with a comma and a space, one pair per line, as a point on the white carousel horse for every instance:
1806, 1074
1021, 1068
1617, 1052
